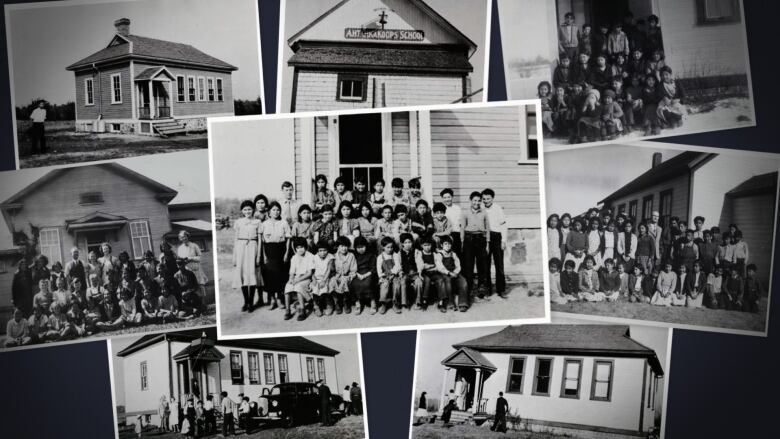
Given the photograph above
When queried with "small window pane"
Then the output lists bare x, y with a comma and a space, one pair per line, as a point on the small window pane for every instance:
515, 383
517, 365
602, 372
601, 390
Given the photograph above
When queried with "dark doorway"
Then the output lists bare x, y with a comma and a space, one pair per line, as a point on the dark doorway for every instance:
360, 148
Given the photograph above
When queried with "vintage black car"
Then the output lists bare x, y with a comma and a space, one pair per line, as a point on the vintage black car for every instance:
295, 403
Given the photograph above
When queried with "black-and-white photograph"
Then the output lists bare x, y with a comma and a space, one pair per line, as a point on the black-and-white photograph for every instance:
352, 54
378, 219
624, 70
569, 379
111, 79
105, 249
188, 383
679, 235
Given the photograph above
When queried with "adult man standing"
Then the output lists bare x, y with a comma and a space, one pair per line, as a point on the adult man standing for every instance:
38, 133
502, 407
356, 395
654, 230
74, 269
228, 407
324, 403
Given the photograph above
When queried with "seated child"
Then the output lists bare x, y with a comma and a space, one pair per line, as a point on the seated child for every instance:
753, 290
301, 272
589, 123
410, 280
426, 266
384, 227
345, 267
422, 221
191, 305
38, 324
320, 285
149, 308
632, 108
322, 195
611, 115
454, 288
340, 193
579, 71
62, 295
650, 97
415, 191
559, 105
359, 194
544, 95
398, 195
377, 199
570, 282
696, 287
367, 224
556, 296
129, 314
59, 328
167, 305
362, 286
682, 289
109, 307
623, 275
636, 286
665, 287
733, 290
93, 314
561, 73
346, 225
590, 290
599, 74
714, 289
609, 280
17, 330
388, 267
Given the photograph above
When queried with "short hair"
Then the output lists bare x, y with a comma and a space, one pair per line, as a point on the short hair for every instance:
426, 240
361, 180
446, 191
327, 207
568, 15
489, 192
415, 183
338, 180
556, 262
321, 177
224, 394
259, 197
397, 182
500, 393
322, 244
751, 267
698, 218
385, 241
401, 208
387, 207
298, 241
569, 263
361, 241
405, 236
666, 69
609, 261
247, 203
286, 184
589, 258
381, 180
343, 240
439, 207
706, 233
446, 238
475, 194
420, 202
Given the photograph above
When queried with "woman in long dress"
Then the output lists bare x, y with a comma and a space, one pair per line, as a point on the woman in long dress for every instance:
110, 264
173, 420
191, 252
246, 254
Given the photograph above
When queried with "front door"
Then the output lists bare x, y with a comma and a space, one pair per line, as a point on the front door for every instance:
465, 403
161, 100
360, 152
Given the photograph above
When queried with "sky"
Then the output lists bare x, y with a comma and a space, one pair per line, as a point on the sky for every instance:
576, 168
468, 16
46, 39
252, 157
347, 361
187, 172
436, 344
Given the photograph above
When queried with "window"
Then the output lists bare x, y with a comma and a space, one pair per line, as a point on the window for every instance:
542, 376
572, 373
236, 367
601, 389
49, 240
310, 370
283, 370
268, 366
180, 89
665, 210
717, 11
360, 148
115, 127
254, 367
211, 89
139, 235
621, 209
116, 88
219, 90
632, 210
3, 266
201, 88
321, 369
144, 376
516, 372
89, 91
91, 198
352, 87
529, 131
647, 207
191, 89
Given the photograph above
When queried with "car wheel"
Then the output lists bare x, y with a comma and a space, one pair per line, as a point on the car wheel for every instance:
289, 420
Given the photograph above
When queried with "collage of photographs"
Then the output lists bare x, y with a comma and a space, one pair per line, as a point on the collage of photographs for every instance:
229, 255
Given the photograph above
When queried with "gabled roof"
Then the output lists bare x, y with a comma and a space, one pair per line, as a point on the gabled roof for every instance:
126, 47
590, 340
759, 184
674, 167
283, 344
97, 218
153, 72
468, 357
371, 56
420, 4
201, 352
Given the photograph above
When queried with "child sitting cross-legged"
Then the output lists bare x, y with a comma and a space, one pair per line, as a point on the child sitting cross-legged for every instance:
664, 287
388, 267
167, 304
570, 282
454, 286
610, 281
590, 289
301, 271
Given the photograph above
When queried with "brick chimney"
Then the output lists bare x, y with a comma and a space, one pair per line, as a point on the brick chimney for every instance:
656, 160
122, 26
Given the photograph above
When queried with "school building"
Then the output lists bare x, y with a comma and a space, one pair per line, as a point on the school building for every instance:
178, 363
147, 86
467, 150
380, 53
590, 381
722, 189
85, 206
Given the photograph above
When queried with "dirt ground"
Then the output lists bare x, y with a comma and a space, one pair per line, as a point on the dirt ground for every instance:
518, 305
676, 315
65, 145
350, 427
439, 431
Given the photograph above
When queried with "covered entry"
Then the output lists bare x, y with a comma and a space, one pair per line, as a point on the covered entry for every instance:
465, 372
153, 91
604, 12
90, 231
198, 368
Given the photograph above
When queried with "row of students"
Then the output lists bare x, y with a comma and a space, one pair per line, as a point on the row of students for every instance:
692, 288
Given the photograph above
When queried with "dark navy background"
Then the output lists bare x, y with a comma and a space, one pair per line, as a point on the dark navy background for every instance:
720, 385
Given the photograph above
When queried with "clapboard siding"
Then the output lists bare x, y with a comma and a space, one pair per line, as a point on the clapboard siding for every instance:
321, 153
401, 150
680, 196
755, 217
102, 94
7, 269
186, 108
297, 146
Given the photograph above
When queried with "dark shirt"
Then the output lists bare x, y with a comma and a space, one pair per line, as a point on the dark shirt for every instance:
501, 406
570, 283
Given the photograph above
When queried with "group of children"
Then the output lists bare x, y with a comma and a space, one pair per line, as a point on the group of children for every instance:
105, 293
368, 249
609, 83
595, 258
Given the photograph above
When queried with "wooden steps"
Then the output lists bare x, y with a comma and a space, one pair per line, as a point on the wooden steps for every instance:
169, 127
460, 417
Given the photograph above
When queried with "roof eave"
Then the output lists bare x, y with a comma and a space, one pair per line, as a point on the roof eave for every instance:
134, 57
376, 68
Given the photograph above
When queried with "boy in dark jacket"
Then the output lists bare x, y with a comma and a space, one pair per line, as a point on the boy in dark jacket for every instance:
599, 75
753, 290
562, 73
611, 116
578, 73
570, 280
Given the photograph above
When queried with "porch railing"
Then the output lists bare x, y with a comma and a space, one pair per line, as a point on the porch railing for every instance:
145, 113
163, 112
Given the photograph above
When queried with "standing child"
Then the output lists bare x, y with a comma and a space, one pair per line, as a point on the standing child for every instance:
321, 285
410, 280
650, 98
304, 226
441, 224
475, 236
653, 36
697, 287
398, 196
288, 206
555, 282
301, 271
499, 233
426, 267
579, 73
360, 193
384, 227
632, 109
595, 243
645, 252
322, 194
454, 215
665, 286
362, 286
345, 267
388, 267
617, 42
714, 289
670, 108
275, 239
326, 229
422, 221
601, 41
741, 252
246, 254
753, 290
586, 39
576, 245
627, 246
377, 198
708, 252
454, 291
554, 237
415, 191
568, 36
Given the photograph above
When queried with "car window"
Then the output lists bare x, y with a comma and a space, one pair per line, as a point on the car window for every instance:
279, 390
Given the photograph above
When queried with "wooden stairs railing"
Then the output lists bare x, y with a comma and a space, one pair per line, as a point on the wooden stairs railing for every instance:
169, 127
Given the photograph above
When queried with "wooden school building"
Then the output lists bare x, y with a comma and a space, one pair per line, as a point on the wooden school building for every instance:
579, 380
467, 150
380, 53
147, 86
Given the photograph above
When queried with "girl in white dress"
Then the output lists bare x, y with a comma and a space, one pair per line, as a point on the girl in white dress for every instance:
246, 254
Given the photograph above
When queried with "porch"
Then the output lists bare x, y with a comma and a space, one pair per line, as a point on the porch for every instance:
153, 90
198, 369
471, 370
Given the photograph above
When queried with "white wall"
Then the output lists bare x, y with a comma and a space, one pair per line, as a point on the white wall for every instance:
156, 357
622, 412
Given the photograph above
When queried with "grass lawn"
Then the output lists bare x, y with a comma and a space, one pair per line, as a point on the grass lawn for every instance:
350, 427
65, 145
462, 431
524, 301
677, 314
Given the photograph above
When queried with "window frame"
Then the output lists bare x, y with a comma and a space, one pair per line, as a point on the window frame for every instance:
148, 236
89, 92
116, 87
354, 77
57, 246
509, 374
321, 374
566, 362
269, 379
647, 213
593, 383
192, 92
633, 210
256, 356
549, 377
144, 371
211, 93
286, 368
98, 198
663, 218
181, 97
220, 90
237, 379
703, 20
311, 373
201, 89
